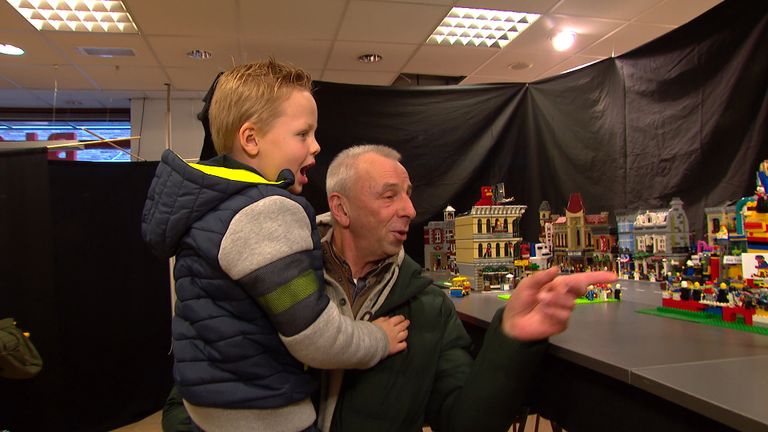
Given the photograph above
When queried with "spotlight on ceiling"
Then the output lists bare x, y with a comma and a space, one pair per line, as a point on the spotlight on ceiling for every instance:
370, 58
199, 54
9, 49
563, 40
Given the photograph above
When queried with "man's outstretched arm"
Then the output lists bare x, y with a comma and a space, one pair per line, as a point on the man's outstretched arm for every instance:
487, 393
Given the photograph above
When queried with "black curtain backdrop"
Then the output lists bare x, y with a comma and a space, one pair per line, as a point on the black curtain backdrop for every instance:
684, 115
96, 301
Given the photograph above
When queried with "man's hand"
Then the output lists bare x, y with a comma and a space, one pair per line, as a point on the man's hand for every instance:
396, 328
542, 303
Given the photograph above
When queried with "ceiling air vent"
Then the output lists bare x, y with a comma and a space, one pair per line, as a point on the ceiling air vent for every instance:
106, 52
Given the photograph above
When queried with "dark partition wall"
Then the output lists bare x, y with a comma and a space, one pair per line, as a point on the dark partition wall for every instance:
114, 299
27, 291
96, 302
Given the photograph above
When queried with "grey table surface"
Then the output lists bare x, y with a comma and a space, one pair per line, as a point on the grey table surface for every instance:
732, 391
721, 373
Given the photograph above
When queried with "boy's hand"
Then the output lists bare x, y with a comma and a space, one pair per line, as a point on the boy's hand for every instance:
396, 328
542, 303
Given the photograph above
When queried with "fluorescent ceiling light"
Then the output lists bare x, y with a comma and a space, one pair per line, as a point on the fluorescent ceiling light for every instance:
480, 27
563, 40
10, 50
76, 15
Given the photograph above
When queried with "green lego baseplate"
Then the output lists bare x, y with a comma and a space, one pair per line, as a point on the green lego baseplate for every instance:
582, 300
703, 318
578, 300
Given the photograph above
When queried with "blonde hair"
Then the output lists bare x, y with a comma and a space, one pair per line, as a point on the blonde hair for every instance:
342, 169
252, 92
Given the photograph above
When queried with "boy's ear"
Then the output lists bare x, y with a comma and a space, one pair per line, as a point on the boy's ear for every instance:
248, 139
338, 209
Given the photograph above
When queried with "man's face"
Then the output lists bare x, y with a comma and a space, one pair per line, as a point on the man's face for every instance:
379, 207
290, 142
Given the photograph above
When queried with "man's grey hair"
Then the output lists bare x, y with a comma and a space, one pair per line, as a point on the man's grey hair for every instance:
341, 172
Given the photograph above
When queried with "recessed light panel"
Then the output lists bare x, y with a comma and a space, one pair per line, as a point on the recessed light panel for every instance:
481, 27
76, 15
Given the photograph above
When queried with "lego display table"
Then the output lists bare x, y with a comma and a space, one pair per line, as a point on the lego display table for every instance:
614, 369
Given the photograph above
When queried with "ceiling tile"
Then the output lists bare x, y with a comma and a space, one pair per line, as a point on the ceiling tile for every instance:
359, 77
183, 17
570, 64
85, 99
37, 51
126, 77
390, 22
5, 84
20, 100
434, 2
309, 54
448, 60
677, 12
534, 45
480, 79
10, 19
175, 94
609, 9
192, 79
291, 19
540, 61
16, 93
625, 39
532, 6
64, 77
69, 43
172, 51
538, 35
394, 56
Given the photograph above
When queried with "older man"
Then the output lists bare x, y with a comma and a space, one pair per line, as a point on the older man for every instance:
435, 381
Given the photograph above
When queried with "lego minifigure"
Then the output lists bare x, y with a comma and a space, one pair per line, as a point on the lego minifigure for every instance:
685, 291
722, 293
696, 292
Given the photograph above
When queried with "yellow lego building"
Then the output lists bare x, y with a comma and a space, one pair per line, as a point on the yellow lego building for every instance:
488, 239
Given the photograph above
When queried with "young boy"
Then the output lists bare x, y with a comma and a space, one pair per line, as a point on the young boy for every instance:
251, 309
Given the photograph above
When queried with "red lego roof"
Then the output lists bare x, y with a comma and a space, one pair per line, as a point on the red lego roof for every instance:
574, 203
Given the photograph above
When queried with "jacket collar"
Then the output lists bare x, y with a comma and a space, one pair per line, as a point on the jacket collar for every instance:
409, 282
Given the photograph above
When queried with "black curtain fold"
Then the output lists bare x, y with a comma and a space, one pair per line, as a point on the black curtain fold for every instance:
445, 135
577, 122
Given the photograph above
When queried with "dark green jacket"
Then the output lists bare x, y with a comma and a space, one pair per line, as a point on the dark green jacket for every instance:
435, 374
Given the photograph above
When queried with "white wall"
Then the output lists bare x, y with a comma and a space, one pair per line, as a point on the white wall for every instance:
148, 119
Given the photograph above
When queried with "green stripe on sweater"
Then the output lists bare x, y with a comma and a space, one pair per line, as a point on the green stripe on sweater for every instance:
289, 294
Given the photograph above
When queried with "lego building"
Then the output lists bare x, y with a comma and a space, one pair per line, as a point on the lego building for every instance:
662, 236
488, 239
439, 244
580, 239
